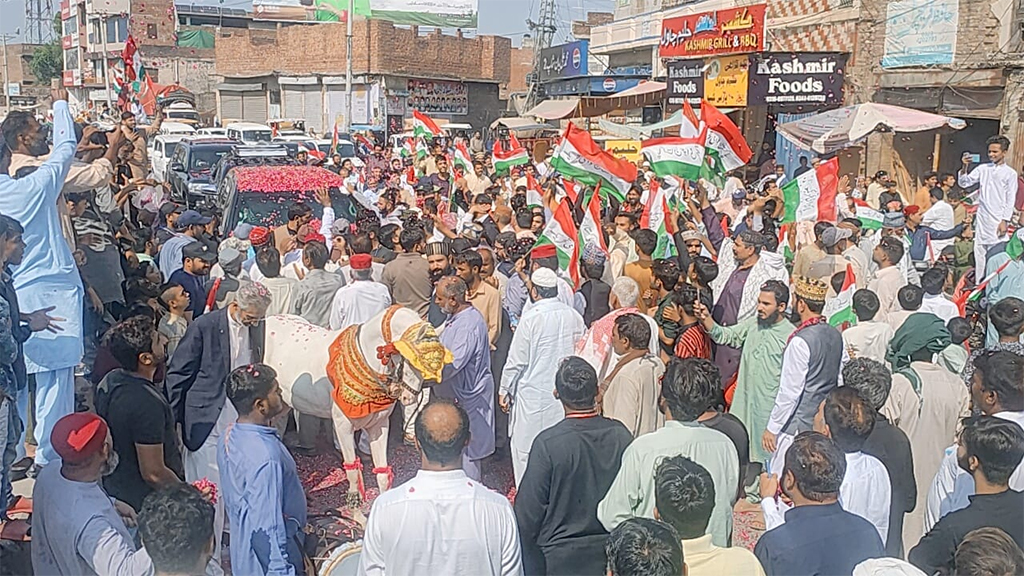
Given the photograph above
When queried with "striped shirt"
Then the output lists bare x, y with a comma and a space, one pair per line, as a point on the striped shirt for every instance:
694, 343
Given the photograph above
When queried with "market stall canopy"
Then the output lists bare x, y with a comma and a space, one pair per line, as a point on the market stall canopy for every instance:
837, 129
643, 94
554, 109
520, 124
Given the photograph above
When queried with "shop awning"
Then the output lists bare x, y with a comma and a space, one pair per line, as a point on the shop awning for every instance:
520, 124
837, 129
554, 109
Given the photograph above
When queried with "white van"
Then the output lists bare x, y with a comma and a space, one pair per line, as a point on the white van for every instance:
176, 128
249, 132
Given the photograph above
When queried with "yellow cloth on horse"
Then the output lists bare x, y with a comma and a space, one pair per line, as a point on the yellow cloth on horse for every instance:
421, 347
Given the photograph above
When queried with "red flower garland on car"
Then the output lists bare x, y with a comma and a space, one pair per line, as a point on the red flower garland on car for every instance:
276, 179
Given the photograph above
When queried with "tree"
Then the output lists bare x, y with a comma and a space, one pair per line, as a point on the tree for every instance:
48, 60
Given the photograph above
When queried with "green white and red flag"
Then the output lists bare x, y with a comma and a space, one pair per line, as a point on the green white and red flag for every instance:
534, 193
562, 233
655, 218
421, 149
870, 218
462, 158
812, 195
979, 290
590, 226
424, 126
577, 156
503, 160
839, 310
724, 140
672, 156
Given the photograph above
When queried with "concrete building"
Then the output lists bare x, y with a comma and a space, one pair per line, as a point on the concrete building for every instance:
955, 57
24, 90
455, 78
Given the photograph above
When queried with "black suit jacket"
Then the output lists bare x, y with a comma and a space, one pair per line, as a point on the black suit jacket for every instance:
198, 372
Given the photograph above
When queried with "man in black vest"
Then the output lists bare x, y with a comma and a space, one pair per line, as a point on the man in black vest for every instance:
213, 346
810, 370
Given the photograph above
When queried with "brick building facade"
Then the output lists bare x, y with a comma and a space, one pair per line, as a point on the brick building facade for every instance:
453, 77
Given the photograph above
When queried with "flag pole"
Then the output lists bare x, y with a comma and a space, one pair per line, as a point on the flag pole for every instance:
106, 62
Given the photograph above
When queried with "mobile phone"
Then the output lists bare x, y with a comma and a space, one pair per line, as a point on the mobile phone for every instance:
976, 158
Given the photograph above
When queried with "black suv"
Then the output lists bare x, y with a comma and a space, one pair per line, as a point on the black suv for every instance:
190, 171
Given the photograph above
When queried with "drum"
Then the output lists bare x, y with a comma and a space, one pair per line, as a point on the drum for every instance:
342, 561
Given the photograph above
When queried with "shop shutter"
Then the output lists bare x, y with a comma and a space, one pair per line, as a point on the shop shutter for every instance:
254, 107
230, 106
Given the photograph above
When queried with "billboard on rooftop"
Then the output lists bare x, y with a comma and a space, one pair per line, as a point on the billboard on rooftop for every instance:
442, 13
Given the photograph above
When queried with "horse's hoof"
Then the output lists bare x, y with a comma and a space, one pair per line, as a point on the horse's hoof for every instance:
353, 500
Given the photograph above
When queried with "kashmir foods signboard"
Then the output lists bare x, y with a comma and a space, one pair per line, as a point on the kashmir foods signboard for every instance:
797, 78
685, 81
730, 31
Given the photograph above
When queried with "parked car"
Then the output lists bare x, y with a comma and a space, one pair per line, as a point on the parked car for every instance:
346, 149
260, 195
176, 128
161, 150
190, 171
216, 132
249, 133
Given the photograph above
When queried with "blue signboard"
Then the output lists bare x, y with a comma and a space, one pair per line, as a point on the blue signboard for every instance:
565, 61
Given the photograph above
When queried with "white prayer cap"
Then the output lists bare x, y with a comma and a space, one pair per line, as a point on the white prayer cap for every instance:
544, 278
886, 567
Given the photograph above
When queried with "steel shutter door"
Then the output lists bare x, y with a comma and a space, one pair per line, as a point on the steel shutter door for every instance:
254, 107
314, 108
335, 106
230, 106
292, 102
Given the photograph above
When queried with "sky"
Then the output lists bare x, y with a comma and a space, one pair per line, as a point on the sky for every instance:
499, 17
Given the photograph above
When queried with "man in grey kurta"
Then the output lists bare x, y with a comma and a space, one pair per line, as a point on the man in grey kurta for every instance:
467, 380
315, 292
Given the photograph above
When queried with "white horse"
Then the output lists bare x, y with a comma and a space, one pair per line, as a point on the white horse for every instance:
300, 353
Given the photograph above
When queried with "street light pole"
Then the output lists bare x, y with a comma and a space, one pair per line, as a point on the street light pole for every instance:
347, 124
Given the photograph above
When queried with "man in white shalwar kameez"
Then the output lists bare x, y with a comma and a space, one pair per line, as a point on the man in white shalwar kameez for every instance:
547, 333
997, 192
47, 277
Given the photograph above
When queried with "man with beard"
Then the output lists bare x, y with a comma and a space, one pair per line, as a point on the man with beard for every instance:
196, 262
737, 288
467, 380
140, 419
214, 345
761, 339
481, 295
632, 203
439, 265
257, 468
77, 529
811, 363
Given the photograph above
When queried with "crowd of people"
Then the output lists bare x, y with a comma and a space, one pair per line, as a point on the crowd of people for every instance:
636, 399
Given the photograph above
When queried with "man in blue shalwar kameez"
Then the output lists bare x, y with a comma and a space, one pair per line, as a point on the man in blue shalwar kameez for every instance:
467, 380
47, 276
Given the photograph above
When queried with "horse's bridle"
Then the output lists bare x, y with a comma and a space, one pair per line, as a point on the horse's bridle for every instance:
392, 380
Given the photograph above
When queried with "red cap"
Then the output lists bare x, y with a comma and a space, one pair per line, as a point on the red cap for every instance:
911, 210
360, 261
78, 436
314, 237
543, 251
259, 236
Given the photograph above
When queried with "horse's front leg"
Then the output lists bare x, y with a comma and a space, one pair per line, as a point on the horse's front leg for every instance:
344, 432
378, 432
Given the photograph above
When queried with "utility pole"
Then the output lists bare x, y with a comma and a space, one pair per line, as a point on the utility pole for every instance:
544, 32
347, 124
106, 61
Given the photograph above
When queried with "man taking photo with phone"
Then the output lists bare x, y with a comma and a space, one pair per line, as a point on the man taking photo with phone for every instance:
997, 190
